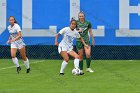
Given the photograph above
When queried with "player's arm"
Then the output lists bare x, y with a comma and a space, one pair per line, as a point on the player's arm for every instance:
81, 39
56, 39
9, 40
19, 35
79, 30
91, 35
62, 31
90, 32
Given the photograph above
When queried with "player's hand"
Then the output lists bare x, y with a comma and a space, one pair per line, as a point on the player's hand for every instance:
12, 40
56, 43
7, 42
80, 30
86, 46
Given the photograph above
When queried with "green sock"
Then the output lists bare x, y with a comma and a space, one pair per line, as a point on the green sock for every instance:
81, 65
88, 61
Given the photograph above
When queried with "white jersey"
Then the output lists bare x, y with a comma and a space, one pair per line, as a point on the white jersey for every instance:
14, 33
69, 36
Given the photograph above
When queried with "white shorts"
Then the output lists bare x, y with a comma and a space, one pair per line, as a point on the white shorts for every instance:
18, 46
64, 48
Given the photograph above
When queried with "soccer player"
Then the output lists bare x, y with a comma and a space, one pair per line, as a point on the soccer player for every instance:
65, 47
86, 29
17, 43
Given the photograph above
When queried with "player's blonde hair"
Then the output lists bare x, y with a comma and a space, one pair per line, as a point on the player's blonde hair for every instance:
81, 13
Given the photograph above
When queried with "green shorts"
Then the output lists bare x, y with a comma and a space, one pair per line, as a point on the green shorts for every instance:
79, 44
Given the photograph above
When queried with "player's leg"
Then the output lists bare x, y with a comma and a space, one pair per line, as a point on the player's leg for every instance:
81, 53
80, 48
65, 57
76, 56
24, 57
13, 55
88, 58
14, 58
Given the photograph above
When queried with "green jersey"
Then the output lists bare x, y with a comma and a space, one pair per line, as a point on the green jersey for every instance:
85, 27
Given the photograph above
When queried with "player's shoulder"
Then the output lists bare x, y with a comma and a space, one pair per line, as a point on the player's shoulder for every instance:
66, 28
78, 21
87, 21
9, 27
75, 30
16, 25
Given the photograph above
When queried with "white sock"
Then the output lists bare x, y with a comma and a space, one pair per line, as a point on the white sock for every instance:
81, 71
26, 63
63, 66
76, 63
15, 61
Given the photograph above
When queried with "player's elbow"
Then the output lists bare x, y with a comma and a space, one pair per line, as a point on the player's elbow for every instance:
19, 36
57, 35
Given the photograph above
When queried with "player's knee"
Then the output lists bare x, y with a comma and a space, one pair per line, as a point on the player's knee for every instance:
77, 57
88, 56
66, 59
24, 57
81, 57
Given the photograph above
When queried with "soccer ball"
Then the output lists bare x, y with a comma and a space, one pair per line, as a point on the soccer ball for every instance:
76, 71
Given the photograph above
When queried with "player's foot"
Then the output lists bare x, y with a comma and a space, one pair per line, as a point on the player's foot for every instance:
61, 74
28, 70
81, 72
89, 70
18, 69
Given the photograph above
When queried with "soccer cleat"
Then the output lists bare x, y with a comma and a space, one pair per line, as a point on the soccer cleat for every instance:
81, 72
18, 69
61, 74
89, 70
28, 70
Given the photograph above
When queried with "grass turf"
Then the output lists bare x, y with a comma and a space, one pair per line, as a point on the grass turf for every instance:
110, 76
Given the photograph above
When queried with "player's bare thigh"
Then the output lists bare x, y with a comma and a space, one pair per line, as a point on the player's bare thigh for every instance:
88, 51
64, 55
81, 53
23, 53
73, 54
13, 52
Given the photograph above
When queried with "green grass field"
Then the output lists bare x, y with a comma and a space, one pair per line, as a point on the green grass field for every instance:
110, 76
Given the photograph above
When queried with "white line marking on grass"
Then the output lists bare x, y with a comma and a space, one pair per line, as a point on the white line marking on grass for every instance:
35, 62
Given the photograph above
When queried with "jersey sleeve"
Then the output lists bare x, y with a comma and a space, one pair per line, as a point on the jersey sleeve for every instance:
62, 31
8, 27
18, 28
89, 25
77, 35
